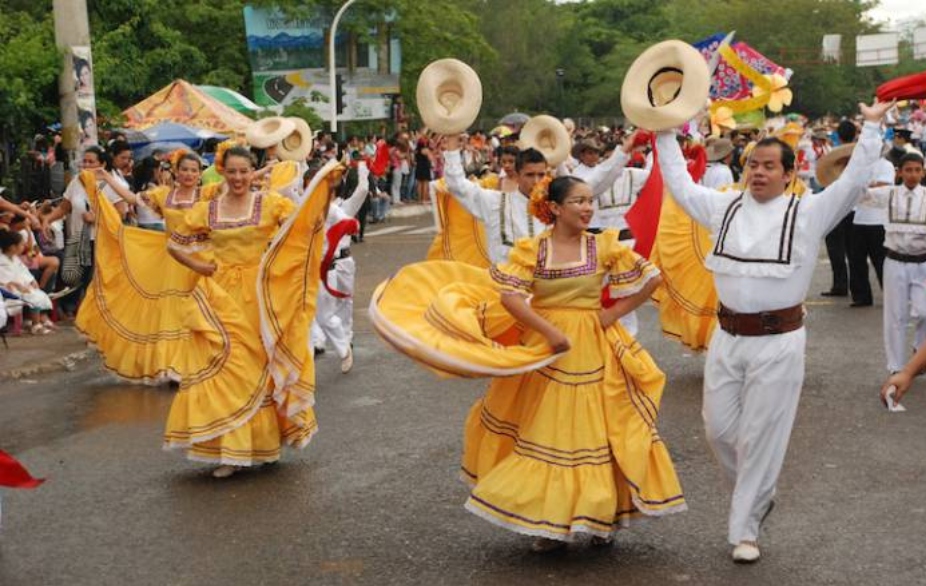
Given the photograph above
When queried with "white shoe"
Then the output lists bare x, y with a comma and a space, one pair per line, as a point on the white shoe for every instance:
224, 471
348, 361
746, 552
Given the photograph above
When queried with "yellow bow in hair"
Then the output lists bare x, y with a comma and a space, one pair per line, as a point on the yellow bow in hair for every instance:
776, 92
722, 117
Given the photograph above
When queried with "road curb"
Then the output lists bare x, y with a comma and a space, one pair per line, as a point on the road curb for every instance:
408, 211
67, 363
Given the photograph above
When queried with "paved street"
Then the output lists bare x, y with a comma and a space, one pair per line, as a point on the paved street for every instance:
375, 498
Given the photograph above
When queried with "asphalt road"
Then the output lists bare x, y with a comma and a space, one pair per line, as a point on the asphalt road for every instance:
375, 498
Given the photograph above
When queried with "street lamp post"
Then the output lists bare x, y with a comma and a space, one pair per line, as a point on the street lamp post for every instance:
560, 79
331, 65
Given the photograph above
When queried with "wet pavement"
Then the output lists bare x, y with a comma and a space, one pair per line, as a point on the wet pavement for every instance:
375, 498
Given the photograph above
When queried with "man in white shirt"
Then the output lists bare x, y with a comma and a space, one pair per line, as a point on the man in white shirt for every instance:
866, 240
765, 251
505, 215
905, 265
719, 155
334, 316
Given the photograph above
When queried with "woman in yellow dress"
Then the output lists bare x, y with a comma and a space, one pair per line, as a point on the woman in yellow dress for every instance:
131, 287
565, 441
270, 292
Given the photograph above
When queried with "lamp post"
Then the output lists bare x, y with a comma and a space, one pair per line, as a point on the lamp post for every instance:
331, 65
560, 79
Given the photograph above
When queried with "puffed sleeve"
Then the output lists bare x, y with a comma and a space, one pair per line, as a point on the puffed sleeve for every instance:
628, 272
192, 233
517, 274
280, 207
154, 199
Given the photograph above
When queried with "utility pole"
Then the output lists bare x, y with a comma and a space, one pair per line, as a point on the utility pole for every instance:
332, 64
72, 29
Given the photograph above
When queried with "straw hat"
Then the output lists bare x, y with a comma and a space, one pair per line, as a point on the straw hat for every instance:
831, 165
548, 135
666, 86
266, 132
718, 148
449, 96
297, 145
586, 144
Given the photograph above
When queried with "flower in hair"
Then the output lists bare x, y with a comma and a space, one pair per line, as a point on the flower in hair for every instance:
220, 152
539, 205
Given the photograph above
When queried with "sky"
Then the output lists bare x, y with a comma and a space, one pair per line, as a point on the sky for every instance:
893, 11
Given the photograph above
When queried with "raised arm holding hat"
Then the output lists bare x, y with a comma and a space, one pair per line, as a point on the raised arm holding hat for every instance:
764, 254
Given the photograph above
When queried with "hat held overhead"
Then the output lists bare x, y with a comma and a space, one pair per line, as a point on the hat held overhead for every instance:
449, 96
267, 132
297, 145
666, 86
549, 136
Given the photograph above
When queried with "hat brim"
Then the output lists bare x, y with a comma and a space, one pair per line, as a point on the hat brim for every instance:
715, 155
297, 145
547, 135
449, 96
831, 165
669, 58
266, 132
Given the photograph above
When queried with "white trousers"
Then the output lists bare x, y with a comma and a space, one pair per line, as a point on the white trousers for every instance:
904, 300
752, 385
395, 187
334, 317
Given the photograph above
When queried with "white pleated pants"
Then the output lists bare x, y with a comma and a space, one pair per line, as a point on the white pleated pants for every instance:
334, 317
752, 385
904, 300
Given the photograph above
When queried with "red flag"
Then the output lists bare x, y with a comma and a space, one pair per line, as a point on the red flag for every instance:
909, 87
334, 235
14, 475
643, 216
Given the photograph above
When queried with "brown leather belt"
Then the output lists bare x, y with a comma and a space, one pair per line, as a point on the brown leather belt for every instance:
765, 323
899, 257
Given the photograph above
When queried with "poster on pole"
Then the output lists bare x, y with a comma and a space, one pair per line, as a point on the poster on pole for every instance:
289, 62
86, 97
880, 49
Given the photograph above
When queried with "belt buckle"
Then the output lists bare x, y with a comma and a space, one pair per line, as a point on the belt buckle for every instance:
770, 322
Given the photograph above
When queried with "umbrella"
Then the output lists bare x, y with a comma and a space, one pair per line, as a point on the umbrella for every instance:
174, 132
515, 119
232, 99
502, 131
147, 150
135, 138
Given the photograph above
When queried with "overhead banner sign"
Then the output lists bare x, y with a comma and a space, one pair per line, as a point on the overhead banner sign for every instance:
880, 49
289, 61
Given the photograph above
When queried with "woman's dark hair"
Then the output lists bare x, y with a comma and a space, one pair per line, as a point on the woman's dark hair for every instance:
237, 151
528, 157
787, 153
511, 150
84, 117
143, 174
116, 149
8, 239
561, 187
99, 152
80, 63
190, 156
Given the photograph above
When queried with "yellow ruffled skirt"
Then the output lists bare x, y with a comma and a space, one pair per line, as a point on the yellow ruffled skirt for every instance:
461, 237
564, 444
687, 298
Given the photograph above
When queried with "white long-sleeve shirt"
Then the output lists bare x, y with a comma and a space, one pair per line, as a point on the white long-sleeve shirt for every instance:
905, 230
882, 174
717, 175
344, 209
764, 254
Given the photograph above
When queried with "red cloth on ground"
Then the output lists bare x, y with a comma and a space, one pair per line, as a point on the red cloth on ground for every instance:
14, 475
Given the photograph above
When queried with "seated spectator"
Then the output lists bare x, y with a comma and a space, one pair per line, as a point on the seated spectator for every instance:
43, 268
15, 277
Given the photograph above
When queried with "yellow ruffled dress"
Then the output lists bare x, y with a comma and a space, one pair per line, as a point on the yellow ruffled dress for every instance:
559, 445
460, 236
687, 298
137, 306
273, 292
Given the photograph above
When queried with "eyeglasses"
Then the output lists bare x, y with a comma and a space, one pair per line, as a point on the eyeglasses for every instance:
581, 201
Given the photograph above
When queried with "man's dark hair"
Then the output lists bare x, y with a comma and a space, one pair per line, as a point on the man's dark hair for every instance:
510, 150
846, 131
910, 158
787, 153
527, 157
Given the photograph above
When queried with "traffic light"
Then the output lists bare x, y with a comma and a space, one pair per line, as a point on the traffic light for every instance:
339, 92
